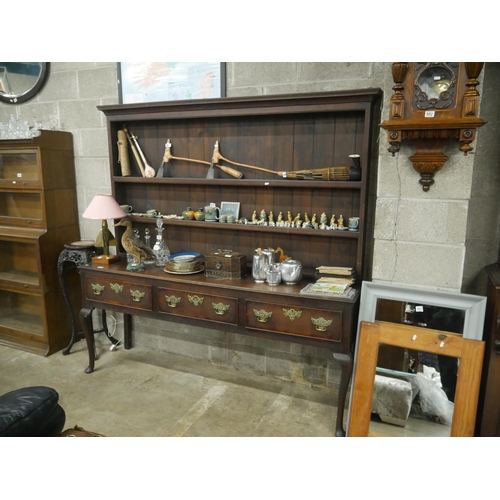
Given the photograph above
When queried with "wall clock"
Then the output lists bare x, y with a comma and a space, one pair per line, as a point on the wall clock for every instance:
433, 102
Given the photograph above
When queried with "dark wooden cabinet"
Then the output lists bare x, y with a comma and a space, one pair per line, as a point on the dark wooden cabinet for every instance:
488, 417
38, 215
279, 133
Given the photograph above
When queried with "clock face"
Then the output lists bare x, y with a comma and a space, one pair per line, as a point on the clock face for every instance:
435, 86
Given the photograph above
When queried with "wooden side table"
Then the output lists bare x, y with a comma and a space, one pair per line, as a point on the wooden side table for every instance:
78, 253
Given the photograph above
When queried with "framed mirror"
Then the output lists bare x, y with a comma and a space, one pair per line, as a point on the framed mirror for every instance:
21, 81
425, 383
465, 313
469, 353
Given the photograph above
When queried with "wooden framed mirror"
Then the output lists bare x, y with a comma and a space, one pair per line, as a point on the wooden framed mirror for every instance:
373, 334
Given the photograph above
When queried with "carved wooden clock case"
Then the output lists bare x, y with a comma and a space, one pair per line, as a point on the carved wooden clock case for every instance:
432, 103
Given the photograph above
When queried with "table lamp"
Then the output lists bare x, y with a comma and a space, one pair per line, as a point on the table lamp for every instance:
104, 207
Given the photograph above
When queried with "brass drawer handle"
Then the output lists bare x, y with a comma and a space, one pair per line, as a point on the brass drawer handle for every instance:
172, 300
220, 308
137, 295
195, 300
116, 287
321, 324
97, 289
292, 314
262, 315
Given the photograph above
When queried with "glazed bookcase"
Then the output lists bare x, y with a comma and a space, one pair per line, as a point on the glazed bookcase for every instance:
38, 215
281, 133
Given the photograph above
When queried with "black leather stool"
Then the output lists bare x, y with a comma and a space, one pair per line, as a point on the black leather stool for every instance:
31, 412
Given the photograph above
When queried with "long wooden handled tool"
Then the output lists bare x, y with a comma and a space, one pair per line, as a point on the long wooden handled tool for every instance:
167, 156
136, 154
341, 173
217, 157
123, 158
149, 171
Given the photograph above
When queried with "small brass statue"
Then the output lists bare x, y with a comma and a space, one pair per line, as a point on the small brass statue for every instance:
297, 221
271, 219
314, 222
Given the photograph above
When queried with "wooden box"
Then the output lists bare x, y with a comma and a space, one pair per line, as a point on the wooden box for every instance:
225, 264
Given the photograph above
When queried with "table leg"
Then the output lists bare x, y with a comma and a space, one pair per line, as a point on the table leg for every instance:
75, 336
127, 330
345, 361
88, 330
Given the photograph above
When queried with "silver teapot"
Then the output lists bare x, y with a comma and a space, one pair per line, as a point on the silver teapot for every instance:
291, 272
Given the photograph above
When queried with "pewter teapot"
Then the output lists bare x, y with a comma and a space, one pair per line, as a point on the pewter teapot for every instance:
291, 272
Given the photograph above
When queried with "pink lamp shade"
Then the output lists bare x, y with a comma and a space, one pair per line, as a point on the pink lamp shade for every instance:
103, 206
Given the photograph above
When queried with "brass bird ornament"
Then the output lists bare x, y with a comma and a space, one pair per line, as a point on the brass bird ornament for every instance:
135, 247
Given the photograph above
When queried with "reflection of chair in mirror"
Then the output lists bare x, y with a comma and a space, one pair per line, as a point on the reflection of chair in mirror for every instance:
469, 352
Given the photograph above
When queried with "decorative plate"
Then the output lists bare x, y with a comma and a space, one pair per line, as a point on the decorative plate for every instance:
184, 256
199, 270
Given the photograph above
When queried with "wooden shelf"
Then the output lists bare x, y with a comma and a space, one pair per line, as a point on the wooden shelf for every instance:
203, 181
314, 233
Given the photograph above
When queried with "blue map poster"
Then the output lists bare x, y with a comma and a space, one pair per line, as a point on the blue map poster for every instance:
169, 81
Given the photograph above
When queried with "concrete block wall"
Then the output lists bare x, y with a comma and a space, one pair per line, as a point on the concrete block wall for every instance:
419, 238
482, 240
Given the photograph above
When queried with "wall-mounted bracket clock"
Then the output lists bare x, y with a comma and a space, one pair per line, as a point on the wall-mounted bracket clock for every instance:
433, 102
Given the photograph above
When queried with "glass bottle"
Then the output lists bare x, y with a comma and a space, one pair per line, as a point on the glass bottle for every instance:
160, 248
131, 260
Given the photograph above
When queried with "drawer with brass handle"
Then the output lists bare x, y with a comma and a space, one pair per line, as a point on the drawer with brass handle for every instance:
198, 305
121, 293
294, 320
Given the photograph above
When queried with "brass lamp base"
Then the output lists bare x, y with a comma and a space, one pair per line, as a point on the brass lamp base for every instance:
105, 260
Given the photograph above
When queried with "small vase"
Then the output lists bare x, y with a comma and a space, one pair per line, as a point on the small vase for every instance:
188, 214
199, 214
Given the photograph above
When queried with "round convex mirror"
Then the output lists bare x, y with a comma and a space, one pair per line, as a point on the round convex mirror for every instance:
21, 81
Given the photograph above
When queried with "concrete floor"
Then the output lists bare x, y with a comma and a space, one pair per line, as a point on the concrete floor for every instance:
144, 393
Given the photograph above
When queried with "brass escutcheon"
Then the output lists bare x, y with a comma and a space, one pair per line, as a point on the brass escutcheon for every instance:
137, 295
116, 287
292, 314
97, 289
195, 300
321, 324
262, 315
172, 300
220, 308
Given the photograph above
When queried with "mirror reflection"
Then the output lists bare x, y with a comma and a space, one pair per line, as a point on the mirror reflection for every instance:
414, 391
20, 81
